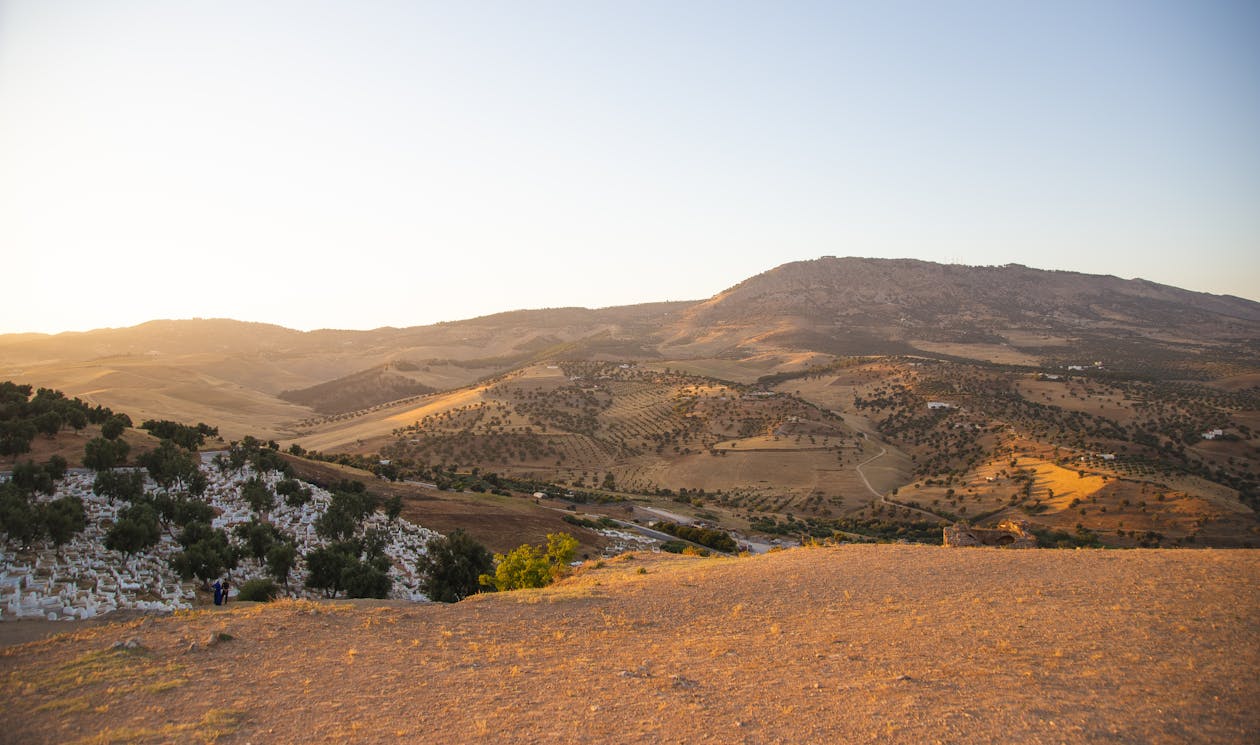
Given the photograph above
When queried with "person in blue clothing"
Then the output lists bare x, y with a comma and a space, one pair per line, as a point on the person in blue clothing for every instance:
218, 593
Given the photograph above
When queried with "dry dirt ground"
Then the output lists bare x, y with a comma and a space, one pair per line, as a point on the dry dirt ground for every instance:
860, 644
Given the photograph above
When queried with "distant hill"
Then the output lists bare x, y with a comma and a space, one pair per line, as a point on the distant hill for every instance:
234, 373
801, 394
360, 390
864, 306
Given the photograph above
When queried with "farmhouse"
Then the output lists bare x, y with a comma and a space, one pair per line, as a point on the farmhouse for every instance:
940, 405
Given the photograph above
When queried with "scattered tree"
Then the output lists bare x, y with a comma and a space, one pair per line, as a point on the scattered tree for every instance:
452, 567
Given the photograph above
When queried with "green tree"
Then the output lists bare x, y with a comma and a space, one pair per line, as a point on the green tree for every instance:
173, 468
112, 428
184, 435
101, 454
204, 560
56, 467
63, 519
325, 567
294, 492
452, 566
135, 530
357, 566
346, 512
16, 436
190, 510
281, 558
32, 478
257, 537
393, 507
49, 423
124, 485
367, 579
258, 495
207, 552
19, 519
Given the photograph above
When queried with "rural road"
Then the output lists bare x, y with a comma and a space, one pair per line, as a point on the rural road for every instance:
882, 499
882, 452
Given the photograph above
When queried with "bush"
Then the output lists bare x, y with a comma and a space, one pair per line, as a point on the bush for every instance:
258, 590
532, 566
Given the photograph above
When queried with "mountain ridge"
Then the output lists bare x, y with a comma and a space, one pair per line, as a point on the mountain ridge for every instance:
787, 317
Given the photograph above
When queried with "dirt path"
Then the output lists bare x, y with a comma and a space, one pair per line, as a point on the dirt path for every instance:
882, 452
883, 499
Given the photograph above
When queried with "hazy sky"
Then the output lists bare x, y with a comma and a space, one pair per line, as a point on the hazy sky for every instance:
361, 164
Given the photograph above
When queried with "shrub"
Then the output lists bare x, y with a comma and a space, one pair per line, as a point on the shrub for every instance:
532, 566
258, 590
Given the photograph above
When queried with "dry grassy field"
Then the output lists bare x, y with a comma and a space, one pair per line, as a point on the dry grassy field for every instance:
864, 644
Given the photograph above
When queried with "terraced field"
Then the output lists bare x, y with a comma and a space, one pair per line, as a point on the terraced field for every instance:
645, 431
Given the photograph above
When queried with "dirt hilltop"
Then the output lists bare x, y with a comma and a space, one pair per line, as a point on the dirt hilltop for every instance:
859, 644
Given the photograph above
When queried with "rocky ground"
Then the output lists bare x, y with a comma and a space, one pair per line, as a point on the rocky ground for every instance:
860, 644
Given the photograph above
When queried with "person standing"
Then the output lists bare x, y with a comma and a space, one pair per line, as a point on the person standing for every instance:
218, 592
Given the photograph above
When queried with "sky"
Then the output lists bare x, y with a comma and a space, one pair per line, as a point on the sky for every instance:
365, 164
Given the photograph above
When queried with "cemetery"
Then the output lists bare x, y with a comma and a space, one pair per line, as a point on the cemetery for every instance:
82, 579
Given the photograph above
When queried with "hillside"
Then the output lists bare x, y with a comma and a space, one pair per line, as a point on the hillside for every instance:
793, 400
852, 445
233, 373
863, 644
916, 302
360, 390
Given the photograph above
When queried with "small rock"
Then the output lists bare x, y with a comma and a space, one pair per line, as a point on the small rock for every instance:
681, 682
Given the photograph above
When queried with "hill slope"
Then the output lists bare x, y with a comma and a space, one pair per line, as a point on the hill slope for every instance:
862, 644
865, 306
216, 369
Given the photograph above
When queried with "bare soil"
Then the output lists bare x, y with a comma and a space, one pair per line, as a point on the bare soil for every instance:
903, 644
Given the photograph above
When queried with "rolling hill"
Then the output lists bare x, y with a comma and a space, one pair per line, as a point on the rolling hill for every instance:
840, 388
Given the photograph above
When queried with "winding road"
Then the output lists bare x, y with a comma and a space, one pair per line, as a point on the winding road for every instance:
882, 499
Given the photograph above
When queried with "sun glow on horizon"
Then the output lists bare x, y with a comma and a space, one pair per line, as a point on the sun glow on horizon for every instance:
318, 165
